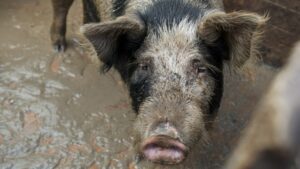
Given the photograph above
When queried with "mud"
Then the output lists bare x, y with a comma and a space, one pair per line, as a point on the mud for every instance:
58, 111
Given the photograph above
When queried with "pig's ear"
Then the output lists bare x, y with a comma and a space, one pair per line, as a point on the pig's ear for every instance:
241, 32
114, 38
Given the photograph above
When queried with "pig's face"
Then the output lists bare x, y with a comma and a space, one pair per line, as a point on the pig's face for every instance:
174, 73
176, 89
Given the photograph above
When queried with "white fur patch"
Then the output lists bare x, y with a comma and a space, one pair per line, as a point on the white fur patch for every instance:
172, 48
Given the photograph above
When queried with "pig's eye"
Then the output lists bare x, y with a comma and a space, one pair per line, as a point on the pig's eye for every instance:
144, 66
198, 67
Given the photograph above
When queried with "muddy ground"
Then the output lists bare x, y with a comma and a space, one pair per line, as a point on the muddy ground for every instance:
58, 111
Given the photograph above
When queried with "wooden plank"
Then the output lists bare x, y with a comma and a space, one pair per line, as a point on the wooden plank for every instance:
280, 17
292, 5
276, 46
282, 30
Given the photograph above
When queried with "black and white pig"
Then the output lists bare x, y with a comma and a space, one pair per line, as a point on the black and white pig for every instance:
170, 53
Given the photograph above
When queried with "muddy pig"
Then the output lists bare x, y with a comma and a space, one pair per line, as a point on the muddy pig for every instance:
272, 138
170, 53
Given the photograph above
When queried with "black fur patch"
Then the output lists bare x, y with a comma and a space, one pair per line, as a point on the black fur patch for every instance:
90, 12
123, 58
169, 12
215, 102
217, 53
119, 7
139, 91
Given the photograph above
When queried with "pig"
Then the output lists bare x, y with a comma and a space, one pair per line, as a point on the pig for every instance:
60, 12
272, 139
170, 53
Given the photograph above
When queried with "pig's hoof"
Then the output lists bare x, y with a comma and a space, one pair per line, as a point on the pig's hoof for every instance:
59, 46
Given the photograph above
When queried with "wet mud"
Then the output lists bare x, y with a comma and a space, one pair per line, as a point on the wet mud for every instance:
58, 111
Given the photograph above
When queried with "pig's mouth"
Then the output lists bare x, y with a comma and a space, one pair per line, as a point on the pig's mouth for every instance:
163, 150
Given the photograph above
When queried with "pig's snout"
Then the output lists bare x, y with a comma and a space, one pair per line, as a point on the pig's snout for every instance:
164, 146
165, 129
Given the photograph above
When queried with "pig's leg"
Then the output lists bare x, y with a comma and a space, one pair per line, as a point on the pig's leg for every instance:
90, 12
58, 28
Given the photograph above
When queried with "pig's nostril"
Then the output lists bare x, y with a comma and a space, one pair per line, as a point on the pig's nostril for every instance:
165, 129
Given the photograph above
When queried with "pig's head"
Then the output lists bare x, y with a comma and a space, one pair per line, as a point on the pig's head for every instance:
172, 64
